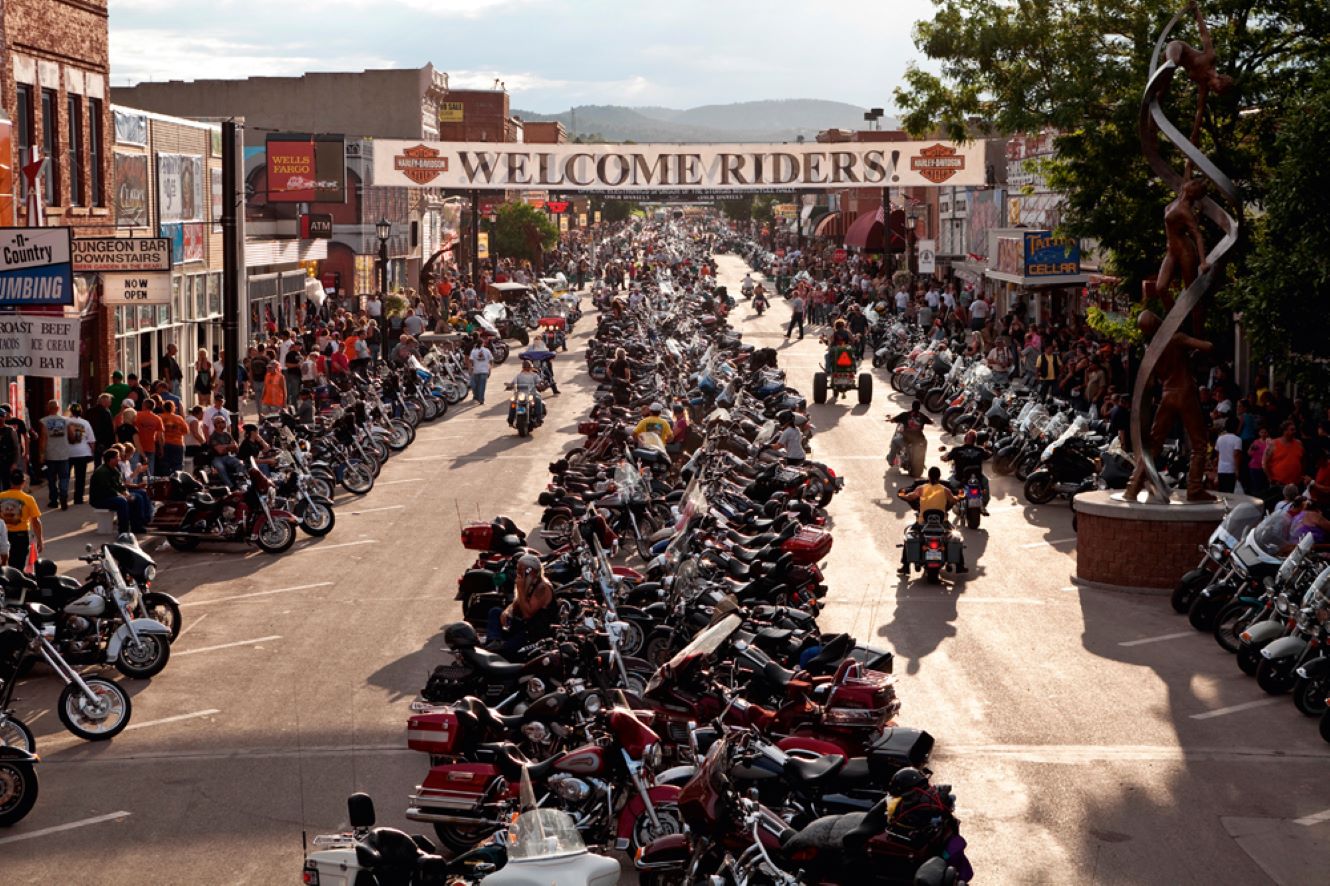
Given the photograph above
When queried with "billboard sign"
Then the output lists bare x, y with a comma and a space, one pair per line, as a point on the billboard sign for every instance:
304, 168
179, 188
40, 346
1049, 256
36, 267
130, 174
98, 254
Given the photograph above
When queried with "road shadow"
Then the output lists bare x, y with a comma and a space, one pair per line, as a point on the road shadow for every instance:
924, 617
404, 677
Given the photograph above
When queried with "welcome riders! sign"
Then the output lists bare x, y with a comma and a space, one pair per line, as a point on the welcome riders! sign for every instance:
680, 168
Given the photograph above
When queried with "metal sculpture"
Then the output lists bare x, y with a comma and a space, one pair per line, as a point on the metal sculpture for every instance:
1186, 258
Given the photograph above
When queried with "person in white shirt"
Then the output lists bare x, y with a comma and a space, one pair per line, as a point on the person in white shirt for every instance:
413, 324
217, 408
902, 301
374, 306
79, 436
789, 438
1229, 449
479, 361
979, 313
933, 298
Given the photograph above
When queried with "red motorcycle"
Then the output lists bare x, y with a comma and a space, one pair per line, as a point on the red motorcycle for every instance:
189, 513
607, 784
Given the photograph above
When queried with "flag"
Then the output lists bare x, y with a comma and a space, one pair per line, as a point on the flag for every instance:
35, 204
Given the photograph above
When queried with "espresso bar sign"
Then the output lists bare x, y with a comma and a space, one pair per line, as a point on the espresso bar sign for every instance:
40, 346
676, 169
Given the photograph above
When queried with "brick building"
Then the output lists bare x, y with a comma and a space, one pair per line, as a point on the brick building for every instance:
53, 88
360, 105
544, 132
480, 115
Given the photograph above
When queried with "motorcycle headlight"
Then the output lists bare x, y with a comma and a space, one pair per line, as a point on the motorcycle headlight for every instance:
591, 704
149, 573
535, 687
1216, 551
652, 755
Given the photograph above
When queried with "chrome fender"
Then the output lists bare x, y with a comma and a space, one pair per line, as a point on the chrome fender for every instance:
1260, 634
140, 627
1284, 647
676, 775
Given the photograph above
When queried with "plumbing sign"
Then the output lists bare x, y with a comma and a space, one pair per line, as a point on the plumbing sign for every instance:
36, 268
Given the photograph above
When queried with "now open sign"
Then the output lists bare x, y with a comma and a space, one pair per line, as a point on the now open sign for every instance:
136, 289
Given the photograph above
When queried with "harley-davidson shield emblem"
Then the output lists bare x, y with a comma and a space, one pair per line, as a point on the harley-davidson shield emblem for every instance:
937, 163
420, 164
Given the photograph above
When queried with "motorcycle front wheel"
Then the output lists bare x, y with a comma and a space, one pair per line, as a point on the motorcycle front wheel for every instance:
670, 823
357, 478
401, 435
1188, 587
1039, 489
160, 607
14, 733
18, 790
94, 719
318, 519
1309, 696
143, 658
276, 536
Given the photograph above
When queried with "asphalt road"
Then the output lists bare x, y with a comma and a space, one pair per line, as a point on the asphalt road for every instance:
1091, 737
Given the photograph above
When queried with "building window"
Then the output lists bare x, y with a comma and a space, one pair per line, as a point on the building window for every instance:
50, 147
96, 185
75, 143
25, 132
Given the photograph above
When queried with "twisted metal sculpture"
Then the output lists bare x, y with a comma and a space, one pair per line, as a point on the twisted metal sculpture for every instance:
1186, 256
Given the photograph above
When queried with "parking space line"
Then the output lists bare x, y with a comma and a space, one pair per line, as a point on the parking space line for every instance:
317, 584
394, 482
177, 718
1161, 638
344, 544
1309, 820
1045, 544
1018, 601
228, 645
372, 510
1233, 709
189, 627
82, 823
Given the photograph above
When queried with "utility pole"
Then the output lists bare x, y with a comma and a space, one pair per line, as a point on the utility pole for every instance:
233, 263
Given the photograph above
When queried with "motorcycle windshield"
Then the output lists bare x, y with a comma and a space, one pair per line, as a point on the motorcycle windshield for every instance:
494, 312
543, 833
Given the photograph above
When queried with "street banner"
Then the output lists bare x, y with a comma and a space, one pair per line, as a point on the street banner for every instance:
130, 174
136, 289
482, 245
677, 168
97, 254
305, 168
179, 188
41, 346
927, 256
35, 267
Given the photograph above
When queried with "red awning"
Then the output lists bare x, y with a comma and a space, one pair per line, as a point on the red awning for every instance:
830, 225
865, 232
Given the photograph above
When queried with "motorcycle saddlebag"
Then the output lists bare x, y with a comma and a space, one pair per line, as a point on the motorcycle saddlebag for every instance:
955, 550
477, 536
169, 515
810, 545
436, 734
588, 428
896, 748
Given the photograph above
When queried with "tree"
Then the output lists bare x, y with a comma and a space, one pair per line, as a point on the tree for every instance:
1079, 67
617, 210
509, 235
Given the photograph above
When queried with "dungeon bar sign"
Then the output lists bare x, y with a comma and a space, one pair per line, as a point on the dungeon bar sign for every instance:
40, 346
669, 168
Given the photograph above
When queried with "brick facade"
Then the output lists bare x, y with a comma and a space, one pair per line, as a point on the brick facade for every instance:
61, 46
485, 117
1137, 552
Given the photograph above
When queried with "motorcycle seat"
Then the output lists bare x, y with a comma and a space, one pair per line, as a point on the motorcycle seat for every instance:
825, 834
490, 664
773, 635
855, 771
776, 674
815, 770
509, 544
489, 718
511, 762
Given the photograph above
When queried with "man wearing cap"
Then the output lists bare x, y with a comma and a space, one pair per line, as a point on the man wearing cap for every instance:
222, 447
118, 390
653, 423
218, 408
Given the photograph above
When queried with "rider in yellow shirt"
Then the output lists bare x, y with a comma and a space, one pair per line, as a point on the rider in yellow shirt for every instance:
654, 423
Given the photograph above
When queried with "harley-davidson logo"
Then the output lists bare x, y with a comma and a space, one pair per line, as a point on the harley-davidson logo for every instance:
420, 164
937, 163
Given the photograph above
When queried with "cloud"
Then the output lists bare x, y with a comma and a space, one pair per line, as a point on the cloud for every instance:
185, 55
469, 9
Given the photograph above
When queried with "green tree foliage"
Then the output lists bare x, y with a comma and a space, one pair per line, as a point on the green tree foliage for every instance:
617, 210
1078, 68
508, 236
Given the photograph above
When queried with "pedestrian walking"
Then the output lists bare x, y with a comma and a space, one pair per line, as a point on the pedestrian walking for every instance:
53, 444
80, 438
479, 361
1283, 459
22, 519
797, 305
1228, 449
174, 431
202, 378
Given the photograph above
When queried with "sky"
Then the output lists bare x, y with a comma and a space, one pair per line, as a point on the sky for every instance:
550, 54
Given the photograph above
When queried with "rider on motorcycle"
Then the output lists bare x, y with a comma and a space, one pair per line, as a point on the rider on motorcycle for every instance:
911, 430
928, 495
528, 380
968, 460
760, 302
653, 422
746, 287
531, 615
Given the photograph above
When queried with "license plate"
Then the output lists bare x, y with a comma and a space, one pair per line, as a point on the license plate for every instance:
931, 556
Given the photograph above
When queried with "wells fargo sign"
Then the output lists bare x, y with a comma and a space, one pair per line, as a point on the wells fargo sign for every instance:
676, 168
306, 168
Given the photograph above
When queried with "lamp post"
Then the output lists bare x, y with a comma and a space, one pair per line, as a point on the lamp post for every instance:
384, 229
910, 262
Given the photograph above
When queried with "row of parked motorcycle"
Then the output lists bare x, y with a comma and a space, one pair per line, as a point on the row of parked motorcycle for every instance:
1266, 601
677, 700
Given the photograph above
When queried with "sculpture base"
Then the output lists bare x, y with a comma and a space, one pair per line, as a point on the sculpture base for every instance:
1144, 547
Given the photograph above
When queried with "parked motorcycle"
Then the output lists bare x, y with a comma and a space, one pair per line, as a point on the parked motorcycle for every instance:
192, 514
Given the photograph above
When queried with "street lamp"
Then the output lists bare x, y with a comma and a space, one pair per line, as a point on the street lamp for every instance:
384, 229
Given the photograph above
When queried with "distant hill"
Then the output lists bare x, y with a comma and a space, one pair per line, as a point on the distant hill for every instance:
782, 120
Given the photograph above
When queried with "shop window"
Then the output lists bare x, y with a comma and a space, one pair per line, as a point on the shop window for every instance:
74, 117
96, 134
200, 296
50, 147
26, 135
215, 293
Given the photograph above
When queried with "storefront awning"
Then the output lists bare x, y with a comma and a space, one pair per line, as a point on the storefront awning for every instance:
865, 232
1039, 282
830, 225
812, 216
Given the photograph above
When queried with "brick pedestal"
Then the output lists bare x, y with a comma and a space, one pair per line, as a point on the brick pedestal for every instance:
1137, 546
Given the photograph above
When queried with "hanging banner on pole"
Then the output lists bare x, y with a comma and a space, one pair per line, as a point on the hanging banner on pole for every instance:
677, 168
927, 256
42, 346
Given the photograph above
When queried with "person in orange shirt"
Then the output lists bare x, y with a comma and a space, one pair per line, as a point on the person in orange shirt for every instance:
150, 427
174, 430
274, 392
1284, 456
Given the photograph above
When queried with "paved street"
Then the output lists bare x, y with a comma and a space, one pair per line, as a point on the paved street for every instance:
1091, 737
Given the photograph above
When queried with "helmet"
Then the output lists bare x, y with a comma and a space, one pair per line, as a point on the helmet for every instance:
906, 780
460, 635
